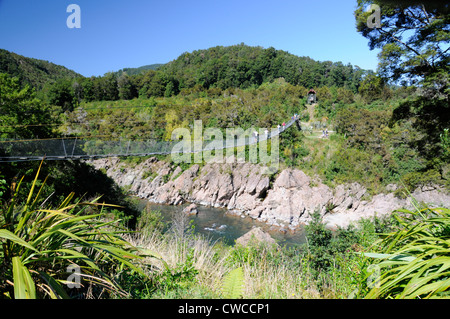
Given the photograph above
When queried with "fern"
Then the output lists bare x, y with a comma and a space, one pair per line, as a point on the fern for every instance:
233, 284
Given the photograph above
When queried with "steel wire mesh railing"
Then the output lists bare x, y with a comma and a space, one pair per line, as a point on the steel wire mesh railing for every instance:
74, 148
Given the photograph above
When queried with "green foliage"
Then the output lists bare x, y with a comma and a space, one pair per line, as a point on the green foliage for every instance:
398, 144
319, 245
445, 143
325, 248
62, 94
179, 277
242, 66
150, 222
233, 284
202, 72
33, 72
352, 164
413, 39
127, 87
415, 259
139, 70
3, 186
430, 117
292, 147
362, 127
373, 88
21, 111
249, 254
39, 244
420, 179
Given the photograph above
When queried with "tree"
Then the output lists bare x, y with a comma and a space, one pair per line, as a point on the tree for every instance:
324, 95
22, 115
373, 88
77, 90
87, 88
109, 87
61, 93
413, 39
127, 89
170, 89
344, 96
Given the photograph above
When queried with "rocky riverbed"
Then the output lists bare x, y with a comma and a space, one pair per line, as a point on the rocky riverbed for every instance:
286, 199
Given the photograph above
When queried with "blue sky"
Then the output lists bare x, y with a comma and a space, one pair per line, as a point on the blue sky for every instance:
116, 34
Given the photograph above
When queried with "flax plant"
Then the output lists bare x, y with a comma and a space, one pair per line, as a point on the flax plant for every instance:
39, 245
414, 261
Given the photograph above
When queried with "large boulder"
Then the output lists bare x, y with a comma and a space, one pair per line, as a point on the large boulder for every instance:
255, 236
192, 209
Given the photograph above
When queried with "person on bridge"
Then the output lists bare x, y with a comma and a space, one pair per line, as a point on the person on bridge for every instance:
284, 125
256, 136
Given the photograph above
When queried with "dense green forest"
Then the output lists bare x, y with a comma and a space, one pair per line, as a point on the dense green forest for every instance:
34, 72
218, 68
389, 127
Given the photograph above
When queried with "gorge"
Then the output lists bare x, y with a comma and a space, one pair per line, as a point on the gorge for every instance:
286, 199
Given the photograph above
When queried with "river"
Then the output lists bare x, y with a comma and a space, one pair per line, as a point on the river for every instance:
219, 224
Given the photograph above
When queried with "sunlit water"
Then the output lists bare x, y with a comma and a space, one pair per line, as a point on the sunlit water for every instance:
219, 224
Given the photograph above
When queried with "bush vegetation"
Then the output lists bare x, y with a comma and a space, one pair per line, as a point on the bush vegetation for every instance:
40, 244
385, 132
43, 246
337, 264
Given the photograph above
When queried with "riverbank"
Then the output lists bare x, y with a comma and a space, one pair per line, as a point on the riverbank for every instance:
325, 266
286, 200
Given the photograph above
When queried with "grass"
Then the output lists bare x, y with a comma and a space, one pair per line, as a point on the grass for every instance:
407, 256
199, 268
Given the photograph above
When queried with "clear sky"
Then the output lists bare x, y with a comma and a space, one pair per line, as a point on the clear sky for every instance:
116, 34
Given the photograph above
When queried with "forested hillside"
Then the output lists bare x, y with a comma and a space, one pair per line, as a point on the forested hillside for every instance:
379, 142
218, 68
243, 66
36, 73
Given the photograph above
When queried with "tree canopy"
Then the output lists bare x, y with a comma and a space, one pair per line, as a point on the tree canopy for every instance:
414, 40
21, 113
34, 72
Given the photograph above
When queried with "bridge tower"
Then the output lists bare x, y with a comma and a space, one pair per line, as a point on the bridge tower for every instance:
312, 97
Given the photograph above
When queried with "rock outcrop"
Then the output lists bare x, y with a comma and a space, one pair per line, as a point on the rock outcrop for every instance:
287, 200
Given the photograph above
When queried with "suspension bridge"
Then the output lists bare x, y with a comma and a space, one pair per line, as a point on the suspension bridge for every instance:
84, 149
